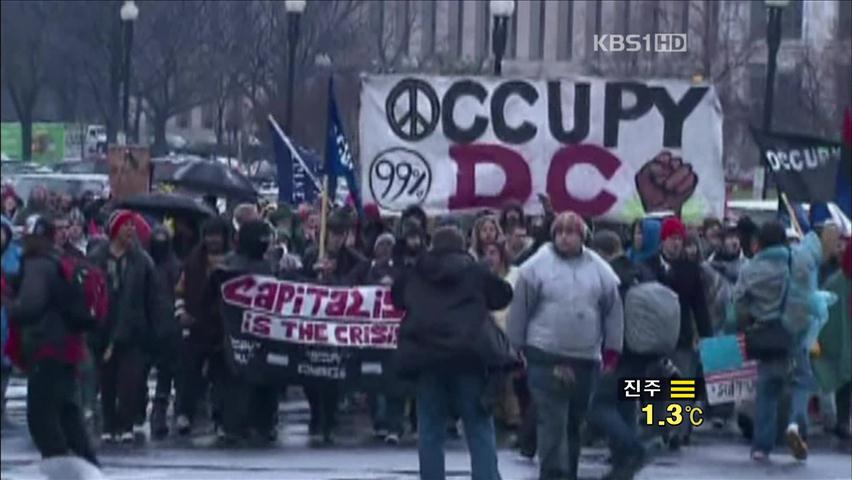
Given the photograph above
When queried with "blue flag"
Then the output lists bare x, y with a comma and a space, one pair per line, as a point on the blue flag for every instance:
338, 155
295, 179
284, 164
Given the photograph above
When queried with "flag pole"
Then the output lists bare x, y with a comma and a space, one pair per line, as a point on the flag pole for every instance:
323, 219
794, 220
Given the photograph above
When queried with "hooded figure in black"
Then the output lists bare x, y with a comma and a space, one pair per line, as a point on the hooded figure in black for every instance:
447, 297
410, 244
201, 332
247, 409
167, 269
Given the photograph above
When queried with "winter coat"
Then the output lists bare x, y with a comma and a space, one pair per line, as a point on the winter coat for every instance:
38, 330
567, 307
759, 290
447, 297
650, 241
167, 275
192, 288
833, 365
684, 277
138, 305
11, 267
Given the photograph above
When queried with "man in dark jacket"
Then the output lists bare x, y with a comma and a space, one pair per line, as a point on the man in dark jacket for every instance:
50, 351
447, 297
617, 418
335, 268
201, 333
167, 329
136, 304
671, 268
246, 408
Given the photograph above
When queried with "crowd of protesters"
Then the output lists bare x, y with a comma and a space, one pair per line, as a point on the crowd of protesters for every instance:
513, 325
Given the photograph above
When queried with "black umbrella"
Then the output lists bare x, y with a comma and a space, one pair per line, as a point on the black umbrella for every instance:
170, 204
214, 178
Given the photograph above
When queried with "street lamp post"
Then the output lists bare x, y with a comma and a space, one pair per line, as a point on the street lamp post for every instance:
773, 41
129, 13
294, 8
501, 10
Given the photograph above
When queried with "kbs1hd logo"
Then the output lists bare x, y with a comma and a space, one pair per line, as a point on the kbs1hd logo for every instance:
656, 42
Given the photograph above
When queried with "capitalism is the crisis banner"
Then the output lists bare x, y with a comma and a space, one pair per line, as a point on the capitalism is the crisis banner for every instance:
282, 331
604, 148
805, 168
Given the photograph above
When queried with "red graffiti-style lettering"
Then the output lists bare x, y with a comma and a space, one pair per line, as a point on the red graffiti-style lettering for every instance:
264, 299
261, 326
321, 333
236, 291
566, 159
286, 293
340, 332
319, 294
518, 185
289, 330
337, 306
356, 307
356, 335
377, 304
306, 332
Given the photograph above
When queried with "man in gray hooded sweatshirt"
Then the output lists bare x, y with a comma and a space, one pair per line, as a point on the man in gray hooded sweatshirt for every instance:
566, 317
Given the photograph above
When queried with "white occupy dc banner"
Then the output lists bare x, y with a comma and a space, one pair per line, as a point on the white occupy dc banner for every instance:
611, 149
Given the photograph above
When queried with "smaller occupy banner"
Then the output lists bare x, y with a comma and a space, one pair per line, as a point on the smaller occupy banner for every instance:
280, 331
605, 148
805, 168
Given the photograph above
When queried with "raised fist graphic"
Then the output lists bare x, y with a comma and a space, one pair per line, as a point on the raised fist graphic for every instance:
665, 183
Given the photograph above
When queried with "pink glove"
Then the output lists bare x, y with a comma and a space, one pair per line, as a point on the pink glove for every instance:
610, 360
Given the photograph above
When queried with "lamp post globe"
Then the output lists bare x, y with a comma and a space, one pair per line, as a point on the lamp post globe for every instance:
502, 8
295, 6
129, 11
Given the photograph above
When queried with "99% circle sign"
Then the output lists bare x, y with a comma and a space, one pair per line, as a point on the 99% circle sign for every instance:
399, 177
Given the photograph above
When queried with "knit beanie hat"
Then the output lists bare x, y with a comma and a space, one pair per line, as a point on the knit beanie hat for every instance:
117, 221
386, 237
672, 226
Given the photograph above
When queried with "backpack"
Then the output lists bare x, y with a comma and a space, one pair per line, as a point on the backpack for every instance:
651, 318
87, 303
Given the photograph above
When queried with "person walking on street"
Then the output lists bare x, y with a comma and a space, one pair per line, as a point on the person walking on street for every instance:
136, 303
671, 268
339, 263
167, 345
247, 409
615, 417
447, 297
47, 348
200, 333
567, 318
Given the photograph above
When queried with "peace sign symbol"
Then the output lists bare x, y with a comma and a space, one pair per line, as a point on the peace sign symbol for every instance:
412, 125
